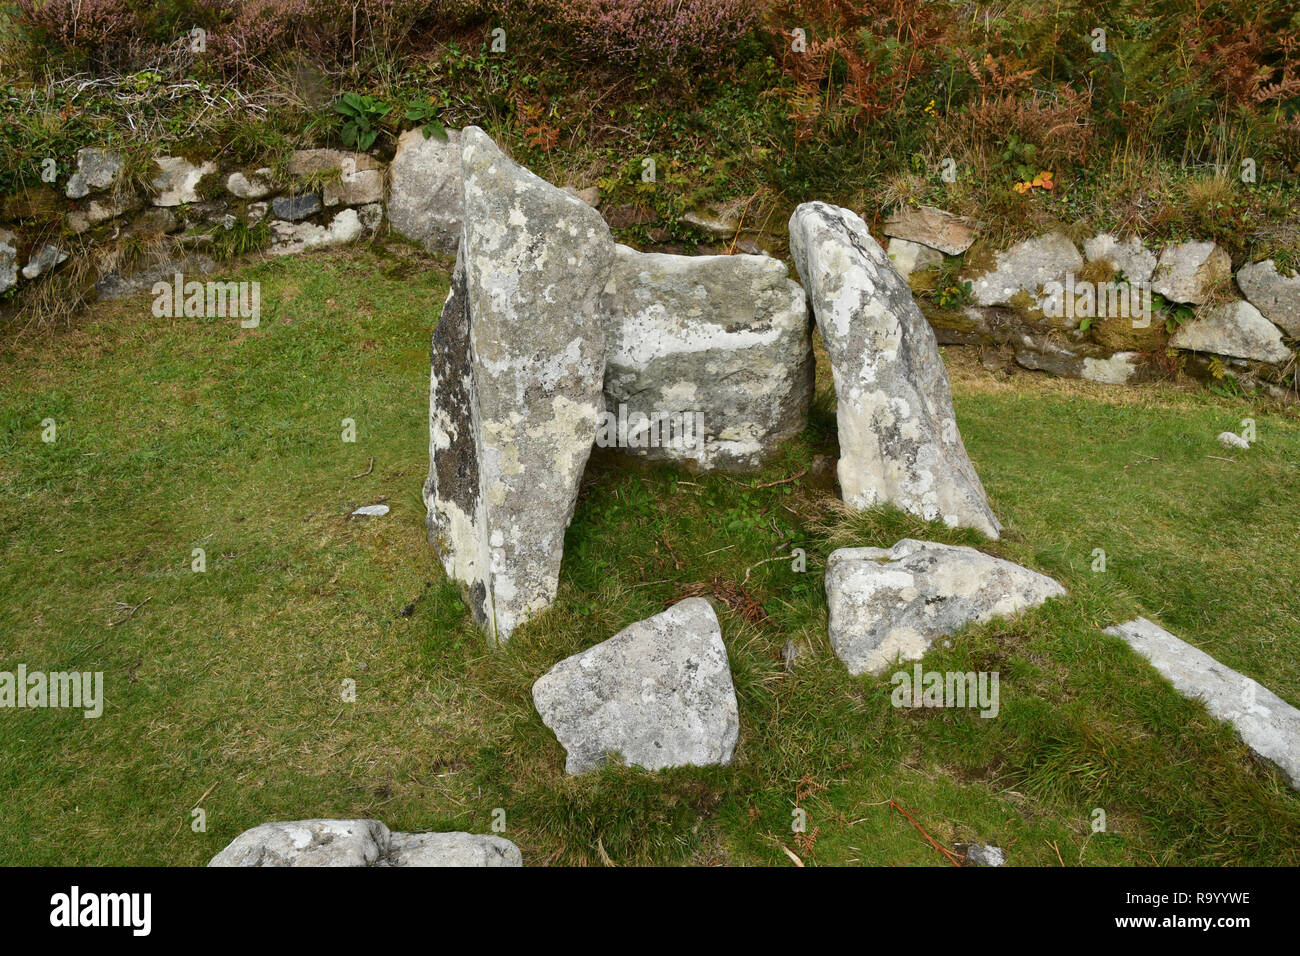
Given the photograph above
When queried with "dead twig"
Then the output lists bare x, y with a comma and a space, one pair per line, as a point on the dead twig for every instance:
368, 470
130, 610
783, 481
947, 854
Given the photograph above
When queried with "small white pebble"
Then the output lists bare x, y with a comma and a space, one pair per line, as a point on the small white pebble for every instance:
1235, 441
372, 510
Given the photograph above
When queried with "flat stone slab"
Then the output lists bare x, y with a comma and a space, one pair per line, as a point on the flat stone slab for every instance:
1131, 257
899, 442
361, 843
1187, 271
1025, 269
1266, 723
659, 693
890, 605
708, 359
931, 227
1236, 329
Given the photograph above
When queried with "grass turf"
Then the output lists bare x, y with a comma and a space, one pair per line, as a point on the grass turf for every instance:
224, 689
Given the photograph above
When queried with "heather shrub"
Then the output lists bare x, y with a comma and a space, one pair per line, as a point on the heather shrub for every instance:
664, 32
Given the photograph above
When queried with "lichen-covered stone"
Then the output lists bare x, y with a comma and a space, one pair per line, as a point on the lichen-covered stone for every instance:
426, 201
43, 261
288, 238
1276, 296
909, 257
658, 693
1188, 271
295, 208
1267, 724
1025, 268
517, 367
723, 338
899, 442
331, 843
96, 170
254, 185
8, 260
1236, 329
1131, 258
890, 604
178, 180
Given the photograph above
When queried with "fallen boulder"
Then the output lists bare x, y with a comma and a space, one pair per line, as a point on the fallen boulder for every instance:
658, 693
899, 442
517, 368
1266, 723
708, 359
361, 843
891, 604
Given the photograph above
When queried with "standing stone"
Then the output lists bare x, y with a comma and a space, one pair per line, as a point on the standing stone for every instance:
1236, 329
1276, 296
658, 693
517, 367
891, 604
708, 358
1187, 271
426, 200
332, 843
1266, 723
899, 442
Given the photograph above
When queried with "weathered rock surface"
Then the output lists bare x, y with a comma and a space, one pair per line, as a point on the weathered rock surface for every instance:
426, 199
96, 170
590, 195
8, 260
295, 208
1266, 723
178, 180
349, 179
288, 237
1276, 296
909, 257
43, 260
724, 338
1236, 329
1129, 257
517, 368
891, 604
659, 693
254, 185
899, 442
361, 843
1187, 271
1025, 268
931, 227
98, 211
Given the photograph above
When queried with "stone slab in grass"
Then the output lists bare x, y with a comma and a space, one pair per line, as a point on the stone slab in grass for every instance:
658, 693
1266, 723
890, 605
330, 843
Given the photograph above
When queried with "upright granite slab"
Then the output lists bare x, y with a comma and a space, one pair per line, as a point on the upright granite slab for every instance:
720, 345
899, 442
517, 368
1267, 724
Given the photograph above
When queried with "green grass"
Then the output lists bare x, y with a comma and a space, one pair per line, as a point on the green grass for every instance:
224, 687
